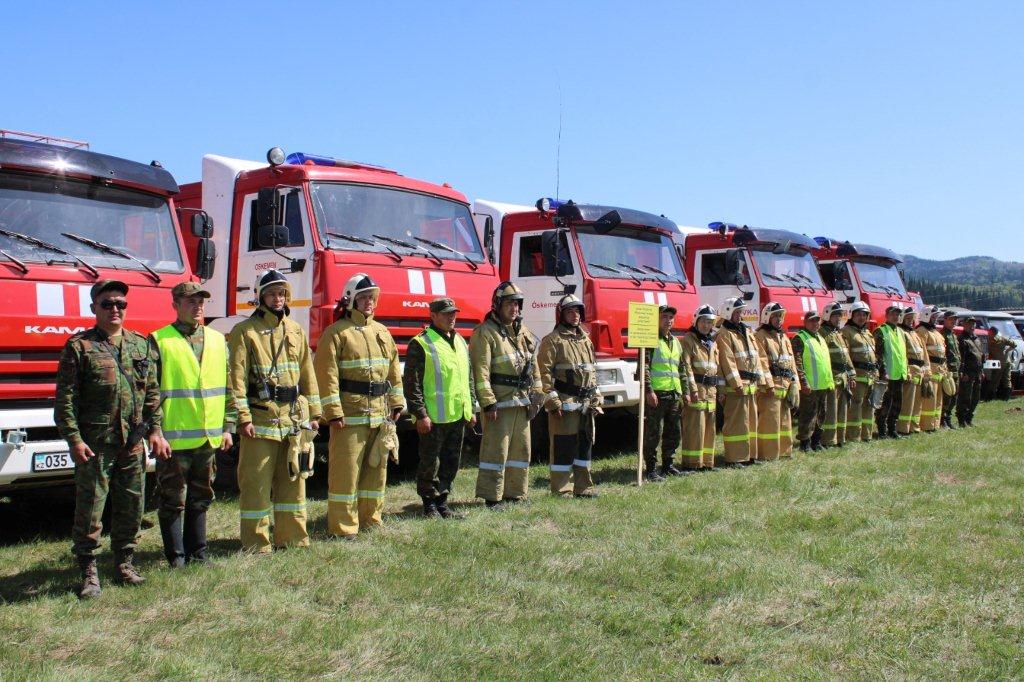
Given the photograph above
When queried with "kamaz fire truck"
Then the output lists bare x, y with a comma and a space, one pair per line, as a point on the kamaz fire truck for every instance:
862, 272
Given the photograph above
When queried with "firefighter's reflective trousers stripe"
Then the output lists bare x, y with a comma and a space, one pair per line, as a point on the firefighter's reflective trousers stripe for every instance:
931, 408
769, 424
698, 437
265, 492
504, 456
833, 430
355, 490
859, 413
911, 397
571, 443
739, 432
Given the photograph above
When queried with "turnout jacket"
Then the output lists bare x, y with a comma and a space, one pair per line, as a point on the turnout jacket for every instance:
567, 365
498, 355
839, 353
777, 350
740, 362
862, 351
918, 366
934, 347
699, 366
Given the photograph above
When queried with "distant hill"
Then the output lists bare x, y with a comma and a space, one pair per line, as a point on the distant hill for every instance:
979, 282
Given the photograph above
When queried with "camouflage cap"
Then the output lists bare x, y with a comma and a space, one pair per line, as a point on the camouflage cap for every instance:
443, 305
107, 285
184, 289
811, 315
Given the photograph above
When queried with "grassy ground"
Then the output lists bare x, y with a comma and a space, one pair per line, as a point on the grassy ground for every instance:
882, 560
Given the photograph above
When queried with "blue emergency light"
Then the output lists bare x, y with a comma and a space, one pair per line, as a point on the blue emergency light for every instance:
824, 242
301, 159
719, 226
548, 204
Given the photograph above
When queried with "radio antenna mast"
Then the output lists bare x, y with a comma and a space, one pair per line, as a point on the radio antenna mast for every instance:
558, 145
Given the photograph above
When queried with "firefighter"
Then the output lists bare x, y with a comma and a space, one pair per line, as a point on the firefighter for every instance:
972, 371
859, 413
199, 418
568, 377
1000, 348
814, 370
774, 419
891, 350
271, 367
935, 346
740, 364
952, 343
107, 401
439, 390
358, 374
664, 390
833, 431
915, 389
700, 363
503, 353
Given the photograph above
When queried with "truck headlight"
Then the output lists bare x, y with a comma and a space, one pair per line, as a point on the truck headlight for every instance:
606, 377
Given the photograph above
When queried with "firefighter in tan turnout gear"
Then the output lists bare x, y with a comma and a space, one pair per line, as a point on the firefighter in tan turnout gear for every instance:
833, 430
568, 377
741, 365
271, 376
935, 346
915, 388
503, 354
700, 362
361, 392
860, 413
774, 419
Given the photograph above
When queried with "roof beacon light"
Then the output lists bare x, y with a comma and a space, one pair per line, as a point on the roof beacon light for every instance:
721, 228
824, 242
548, 204
302, 159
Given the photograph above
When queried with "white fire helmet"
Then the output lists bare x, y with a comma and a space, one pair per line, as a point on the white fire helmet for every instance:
907, 312
566, 303
357, 284
769, 310
931, 314
831, 309
860, 306
731, 305
706, 312
272, 278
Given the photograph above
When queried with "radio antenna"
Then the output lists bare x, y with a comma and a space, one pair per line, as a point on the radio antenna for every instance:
558, 145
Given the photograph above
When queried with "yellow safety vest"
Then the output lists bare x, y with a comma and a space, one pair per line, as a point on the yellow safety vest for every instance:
445, 378
665, 366
193, 396
817, 362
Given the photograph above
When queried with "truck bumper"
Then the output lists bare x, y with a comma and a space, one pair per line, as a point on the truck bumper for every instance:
616, 379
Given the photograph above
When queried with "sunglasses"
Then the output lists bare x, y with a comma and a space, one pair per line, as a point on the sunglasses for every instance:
110, 305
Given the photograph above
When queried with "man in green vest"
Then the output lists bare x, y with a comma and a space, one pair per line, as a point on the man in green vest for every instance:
199, 417
891, 350
438, 384
664, 389
814, 370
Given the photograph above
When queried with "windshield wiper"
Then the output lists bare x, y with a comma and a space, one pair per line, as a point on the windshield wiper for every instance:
360, 240
105, 248
21, 265
50, 247
662, 272
439, 245
631, 268
814, 287
892, 291
412, 247
795, 281
616, 271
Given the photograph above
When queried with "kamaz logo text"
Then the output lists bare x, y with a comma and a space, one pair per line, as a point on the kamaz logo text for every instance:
38, 329
415, 304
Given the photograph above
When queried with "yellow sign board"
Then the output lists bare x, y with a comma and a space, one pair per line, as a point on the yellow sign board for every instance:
643, 325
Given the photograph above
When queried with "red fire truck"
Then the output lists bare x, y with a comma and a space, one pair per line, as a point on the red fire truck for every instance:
605, 255
319, 220
862, 272
761, 265
70, 217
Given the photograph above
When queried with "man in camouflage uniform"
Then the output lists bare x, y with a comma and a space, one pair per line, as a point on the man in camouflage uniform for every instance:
107, 401
972, 371
664, 391
1000, 348
949, 320
184, 477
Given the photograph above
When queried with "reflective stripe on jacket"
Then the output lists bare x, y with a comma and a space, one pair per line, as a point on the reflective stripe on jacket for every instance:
193, 393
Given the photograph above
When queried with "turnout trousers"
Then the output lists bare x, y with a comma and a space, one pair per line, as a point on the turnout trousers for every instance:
571, 442
859, 421
698, 437
931, 408
355, 490
504, 456
770, 409
812, 414
740, 428
908, 408
264, 491
833, 429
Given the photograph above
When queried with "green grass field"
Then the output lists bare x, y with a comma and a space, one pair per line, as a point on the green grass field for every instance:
884, 560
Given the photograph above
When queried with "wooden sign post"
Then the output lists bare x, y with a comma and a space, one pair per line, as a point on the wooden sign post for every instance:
642, 334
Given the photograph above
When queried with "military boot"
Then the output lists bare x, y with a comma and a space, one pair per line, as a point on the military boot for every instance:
950, 425
442, 507
430, 508
805, 446
652, 476
90, 578
671, 470
174, 546
126, 573
195, 536
816, 445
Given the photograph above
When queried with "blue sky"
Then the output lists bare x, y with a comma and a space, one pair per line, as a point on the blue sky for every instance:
892, 123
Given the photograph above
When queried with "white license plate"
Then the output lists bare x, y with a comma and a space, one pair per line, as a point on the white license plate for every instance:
52, 461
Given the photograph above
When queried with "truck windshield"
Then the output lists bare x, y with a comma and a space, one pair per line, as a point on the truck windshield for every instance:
45, 207
881, 277
788, 269
632, 252
370, 213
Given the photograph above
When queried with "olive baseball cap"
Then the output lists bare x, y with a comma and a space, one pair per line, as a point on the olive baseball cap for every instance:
443, 305
811, 315
189, 289
107, 285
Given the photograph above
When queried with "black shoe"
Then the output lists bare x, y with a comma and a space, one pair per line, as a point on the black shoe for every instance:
495, 505
839, 445
430, 509
442, 507
805, 446
586, 494
670, 470
652, 476
816, 445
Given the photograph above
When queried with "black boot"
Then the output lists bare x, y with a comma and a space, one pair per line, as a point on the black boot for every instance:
652, 476
90, 586
805, 446
174, 544
950, 425
195, 536
671, 470
441, 502
816, 442
430, 508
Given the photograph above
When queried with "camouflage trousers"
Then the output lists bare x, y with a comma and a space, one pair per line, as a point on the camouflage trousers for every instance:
967, 396
811, 417
119, 475
440, 453
662, 426
185, 480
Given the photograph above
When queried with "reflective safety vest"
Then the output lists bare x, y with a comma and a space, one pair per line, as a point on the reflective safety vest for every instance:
895, 353
817, 362
445, 378
665, 366
193, 395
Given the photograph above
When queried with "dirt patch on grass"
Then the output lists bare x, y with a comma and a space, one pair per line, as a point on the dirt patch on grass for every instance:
948, 479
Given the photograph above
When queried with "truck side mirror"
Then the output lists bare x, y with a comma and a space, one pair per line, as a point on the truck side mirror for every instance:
556, 257
202, 225
782, 248
489, 237
608, 222
735, 265
272, 236
268, 205
206, 258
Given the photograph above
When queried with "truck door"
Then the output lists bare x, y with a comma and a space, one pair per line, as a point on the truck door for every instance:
254, 260
715, 282
540, 288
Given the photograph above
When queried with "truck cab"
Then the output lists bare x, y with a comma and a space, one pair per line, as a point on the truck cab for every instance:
70, 217
319, 220
607, 256
862, 272
761, 265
